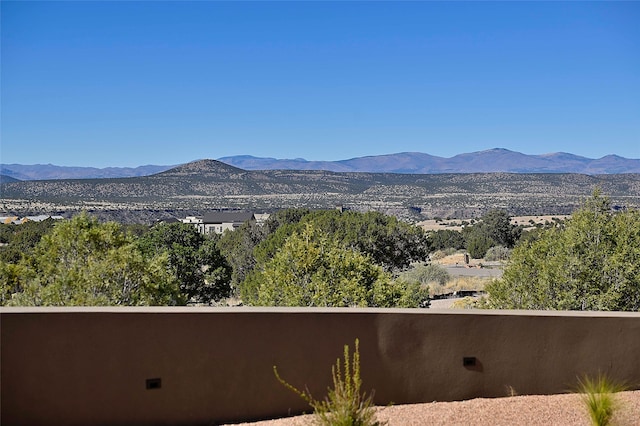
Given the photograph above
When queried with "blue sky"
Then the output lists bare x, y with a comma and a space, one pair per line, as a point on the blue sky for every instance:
132, 83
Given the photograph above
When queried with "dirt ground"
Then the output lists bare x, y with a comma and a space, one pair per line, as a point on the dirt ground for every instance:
456, 266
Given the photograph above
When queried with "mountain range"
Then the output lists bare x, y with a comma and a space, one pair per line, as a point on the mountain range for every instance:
488, 161
13, 172
205, 185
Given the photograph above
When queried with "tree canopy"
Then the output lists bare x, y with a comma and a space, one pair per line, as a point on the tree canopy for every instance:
589, 263
237, 247
21, 239
202, 272
298, 258
83, 262
313, 269
389, 242
446, 238
493, 229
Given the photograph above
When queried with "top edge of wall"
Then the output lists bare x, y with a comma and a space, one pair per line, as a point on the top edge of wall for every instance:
299, 310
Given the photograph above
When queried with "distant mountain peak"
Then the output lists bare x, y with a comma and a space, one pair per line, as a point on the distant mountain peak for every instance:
496, 150
202, 167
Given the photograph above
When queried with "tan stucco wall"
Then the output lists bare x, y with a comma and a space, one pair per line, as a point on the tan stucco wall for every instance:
90, 365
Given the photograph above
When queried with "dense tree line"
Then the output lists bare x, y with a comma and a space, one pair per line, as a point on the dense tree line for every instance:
301, 257
349, 252
84, 262
313, 269
389, 242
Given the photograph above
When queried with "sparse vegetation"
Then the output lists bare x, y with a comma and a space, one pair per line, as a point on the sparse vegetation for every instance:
461, 283
212, 185
470, 303
598, 396
345, 403
441, 254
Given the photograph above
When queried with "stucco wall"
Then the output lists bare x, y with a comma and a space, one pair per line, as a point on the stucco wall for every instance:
91, 365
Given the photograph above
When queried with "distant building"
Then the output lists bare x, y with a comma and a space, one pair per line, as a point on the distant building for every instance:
218, 222
192, 219
261, 218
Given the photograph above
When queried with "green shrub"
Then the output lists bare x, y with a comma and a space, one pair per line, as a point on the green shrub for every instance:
597, 394
344, 404
427, 274
588, 264
497, 253
478, 244
311, 269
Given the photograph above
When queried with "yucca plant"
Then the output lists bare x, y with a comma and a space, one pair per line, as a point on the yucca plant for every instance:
597, 394
344, 404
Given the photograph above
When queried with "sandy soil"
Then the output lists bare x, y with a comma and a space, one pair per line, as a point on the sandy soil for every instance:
535, 410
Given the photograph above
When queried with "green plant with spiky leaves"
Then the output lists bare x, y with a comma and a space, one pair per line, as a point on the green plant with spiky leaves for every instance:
344, 404
597, 394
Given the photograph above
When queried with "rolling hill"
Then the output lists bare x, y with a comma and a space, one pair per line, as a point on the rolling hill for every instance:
209, 184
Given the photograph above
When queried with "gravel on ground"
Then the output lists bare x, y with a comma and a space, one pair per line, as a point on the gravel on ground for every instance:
531, 410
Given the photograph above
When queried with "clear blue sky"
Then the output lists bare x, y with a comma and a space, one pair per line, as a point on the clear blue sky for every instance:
132, 83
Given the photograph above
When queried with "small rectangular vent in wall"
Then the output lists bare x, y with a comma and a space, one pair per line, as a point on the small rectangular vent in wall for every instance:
154, 383
469, 361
